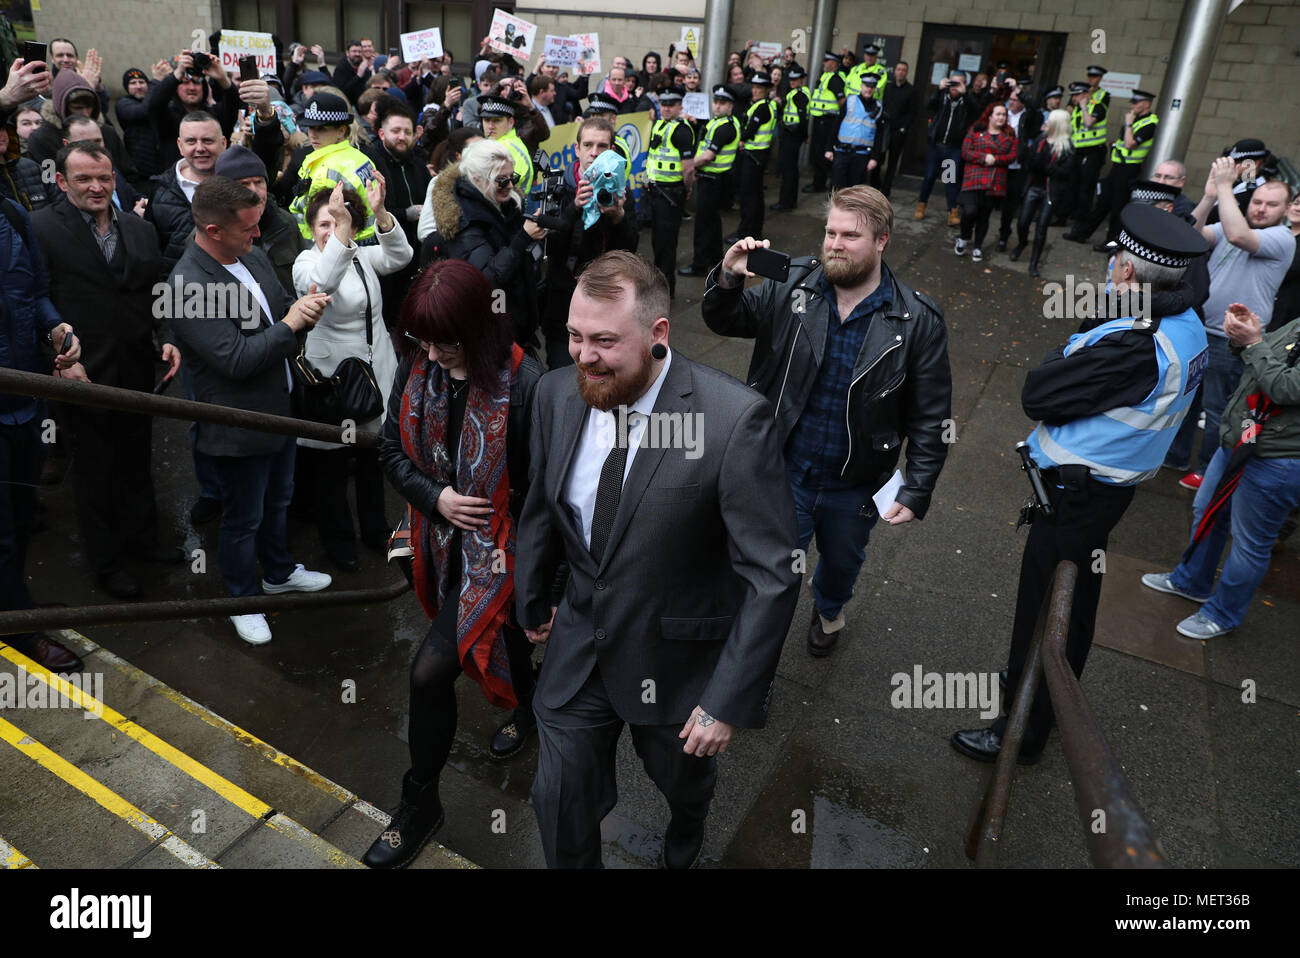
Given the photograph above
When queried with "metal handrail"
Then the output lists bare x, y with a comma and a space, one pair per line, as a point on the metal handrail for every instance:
42, 386
1123, 838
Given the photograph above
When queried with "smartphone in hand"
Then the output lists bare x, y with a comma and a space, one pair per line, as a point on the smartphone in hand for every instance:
769, 263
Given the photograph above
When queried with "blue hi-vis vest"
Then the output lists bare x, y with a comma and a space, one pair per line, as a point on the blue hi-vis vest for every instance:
1126, 445
858, 128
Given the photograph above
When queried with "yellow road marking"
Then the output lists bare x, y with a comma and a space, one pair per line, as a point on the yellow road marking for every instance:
105, 797
227, 789
11, 857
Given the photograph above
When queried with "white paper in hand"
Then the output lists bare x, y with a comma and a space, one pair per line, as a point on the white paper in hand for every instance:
886, 495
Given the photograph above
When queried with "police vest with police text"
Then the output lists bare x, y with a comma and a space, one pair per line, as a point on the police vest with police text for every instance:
724, 156
1119, 153
824, 102
1126, 445
853, 85
1081, 136
858, 128
665, 161
326, 168
796, 108
763, 135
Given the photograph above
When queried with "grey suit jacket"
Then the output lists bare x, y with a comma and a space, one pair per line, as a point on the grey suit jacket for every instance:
228, 359
696, 589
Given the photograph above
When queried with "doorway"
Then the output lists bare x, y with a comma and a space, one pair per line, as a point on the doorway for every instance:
978, 49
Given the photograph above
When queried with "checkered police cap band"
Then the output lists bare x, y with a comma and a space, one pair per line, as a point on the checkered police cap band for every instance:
496, 109
1145, 252
316, 115
1142, 195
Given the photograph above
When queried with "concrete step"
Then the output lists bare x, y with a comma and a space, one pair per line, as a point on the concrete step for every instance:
112, 768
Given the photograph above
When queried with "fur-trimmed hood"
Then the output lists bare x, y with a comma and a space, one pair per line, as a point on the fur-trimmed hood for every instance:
446, 211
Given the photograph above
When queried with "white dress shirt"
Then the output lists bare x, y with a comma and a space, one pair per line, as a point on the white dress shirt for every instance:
241, 272
598, 436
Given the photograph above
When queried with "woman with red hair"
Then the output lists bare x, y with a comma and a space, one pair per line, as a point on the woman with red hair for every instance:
455, 444
989, 147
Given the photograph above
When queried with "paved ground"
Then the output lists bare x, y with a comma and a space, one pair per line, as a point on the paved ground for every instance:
876, 786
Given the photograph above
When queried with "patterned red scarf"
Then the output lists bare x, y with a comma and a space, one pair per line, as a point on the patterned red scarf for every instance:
488, 555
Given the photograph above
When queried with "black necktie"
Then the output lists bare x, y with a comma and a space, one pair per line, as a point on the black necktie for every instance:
610, 487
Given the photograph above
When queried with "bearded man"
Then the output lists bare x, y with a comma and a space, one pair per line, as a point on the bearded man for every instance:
659, 482
854, 362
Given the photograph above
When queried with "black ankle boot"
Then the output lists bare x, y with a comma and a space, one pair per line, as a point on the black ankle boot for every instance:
1015, 253
513, 735
417, 818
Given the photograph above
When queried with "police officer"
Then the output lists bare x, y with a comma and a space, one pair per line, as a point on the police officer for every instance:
497, 115
1051, 101
1250, 156
1127, 155
1088, 136
756, 135
862, 139
825, 106
672, 145
790, 137
1107, 406
713, 162
868, 67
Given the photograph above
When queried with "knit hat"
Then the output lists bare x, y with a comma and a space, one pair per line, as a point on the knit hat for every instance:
238, 162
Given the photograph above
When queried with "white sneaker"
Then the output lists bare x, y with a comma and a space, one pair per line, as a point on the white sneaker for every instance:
252, 628
300, 580
959, 247
977, 255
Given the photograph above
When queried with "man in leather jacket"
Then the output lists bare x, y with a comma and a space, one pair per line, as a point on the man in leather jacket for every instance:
853, 362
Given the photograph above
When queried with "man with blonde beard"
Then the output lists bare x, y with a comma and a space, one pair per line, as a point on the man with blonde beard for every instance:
854, 362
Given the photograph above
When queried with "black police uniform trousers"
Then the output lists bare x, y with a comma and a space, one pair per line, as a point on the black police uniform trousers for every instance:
707, 252
787, 162
1016, 180
897, 142
1115, 189
751, 164
822, 138
849, 168
1081, 525
21, 452
1087, 170
667, 201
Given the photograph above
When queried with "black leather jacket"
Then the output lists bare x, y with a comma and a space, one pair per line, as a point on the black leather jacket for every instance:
901, 387
420, 489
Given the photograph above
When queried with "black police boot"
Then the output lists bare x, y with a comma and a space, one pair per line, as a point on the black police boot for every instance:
417, 818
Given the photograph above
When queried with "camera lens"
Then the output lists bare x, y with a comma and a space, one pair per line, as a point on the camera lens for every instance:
604, 197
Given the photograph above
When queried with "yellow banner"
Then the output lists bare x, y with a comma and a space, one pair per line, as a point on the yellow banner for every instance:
632, 128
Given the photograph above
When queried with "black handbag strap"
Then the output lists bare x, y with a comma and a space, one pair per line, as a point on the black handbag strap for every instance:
369, 307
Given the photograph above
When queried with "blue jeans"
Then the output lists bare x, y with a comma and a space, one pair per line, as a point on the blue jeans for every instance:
842, 517
935, 154
1267, 491
204, 470
255, 494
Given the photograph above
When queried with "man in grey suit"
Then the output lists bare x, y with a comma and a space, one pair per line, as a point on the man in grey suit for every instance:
660, 482
237, 354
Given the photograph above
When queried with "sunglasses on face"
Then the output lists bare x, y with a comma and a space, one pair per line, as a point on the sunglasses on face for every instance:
503, 181
442, 347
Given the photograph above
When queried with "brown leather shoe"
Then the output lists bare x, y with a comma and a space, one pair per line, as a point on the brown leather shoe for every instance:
920, 212
954, 217
55, 657
820, 643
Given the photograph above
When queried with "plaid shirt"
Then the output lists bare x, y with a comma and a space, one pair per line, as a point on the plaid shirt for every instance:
992, 179
819, 443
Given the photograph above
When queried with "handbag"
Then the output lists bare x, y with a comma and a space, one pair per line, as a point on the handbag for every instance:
351, 393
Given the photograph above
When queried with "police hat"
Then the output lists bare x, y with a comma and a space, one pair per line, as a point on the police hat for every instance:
828, 55
1248, 150
795, 73
1139, 95
1159, 237
1096, 71
314, 78
761, 79
1149, 192
871, 50
1078, 86
326, 109
495, 106
869, 79
722, 93
600, 103
671, 95
1054, 91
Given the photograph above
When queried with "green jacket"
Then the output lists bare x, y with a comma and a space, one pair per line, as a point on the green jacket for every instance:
1267, 370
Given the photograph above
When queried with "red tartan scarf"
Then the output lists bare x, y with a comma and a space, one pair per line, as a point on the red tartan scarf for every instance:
488, 554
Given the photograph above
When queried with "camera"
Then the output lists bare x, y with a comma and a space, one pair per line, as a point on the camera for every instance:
605, 186
548, 184
201, 60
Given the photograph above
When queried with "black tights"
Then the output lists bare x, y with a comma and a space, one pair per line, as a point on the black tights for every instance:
976, 209
433, 693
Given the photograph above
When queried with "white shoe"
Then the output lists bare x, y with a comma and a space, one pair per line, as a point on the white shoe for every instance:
959, 247
300, 580
977, 255
252, 628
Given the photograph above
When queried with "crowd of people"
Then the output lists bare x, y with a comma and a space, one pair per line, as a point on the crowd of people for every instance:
383, 236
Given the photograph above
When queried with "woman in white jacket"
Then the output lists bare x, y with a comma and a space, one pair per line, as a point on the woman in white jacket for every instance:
350, 274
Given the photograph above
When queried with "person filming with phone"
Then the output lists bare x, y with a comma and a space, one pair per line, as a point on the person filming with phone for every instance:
854, 362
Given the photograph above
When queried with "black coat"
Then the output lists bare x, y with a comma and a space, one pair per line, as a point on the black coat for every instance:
493, 240
902, 103
111, 305
419, 488
20, 181
166, 112
950, 119
139, 134
170, 213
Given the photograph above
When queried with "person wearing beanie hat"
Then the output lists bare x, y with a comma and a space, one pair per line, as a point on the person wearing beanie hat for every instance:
138, 134
280, 238
72, 93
